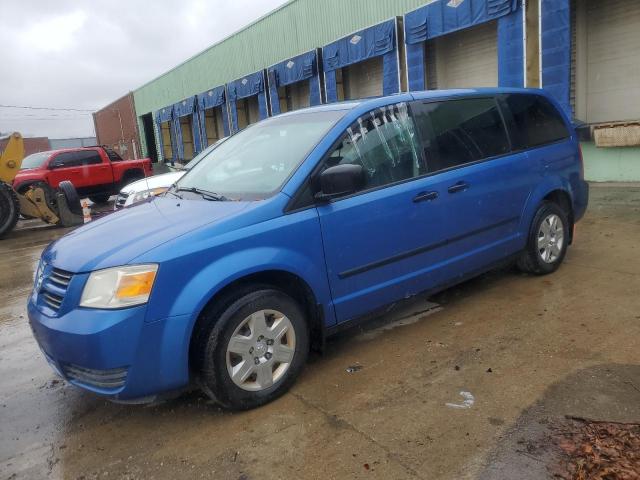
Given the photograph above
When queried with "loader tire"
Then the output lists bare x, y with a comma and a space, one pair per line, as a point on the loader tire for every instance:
71, 196
9, 208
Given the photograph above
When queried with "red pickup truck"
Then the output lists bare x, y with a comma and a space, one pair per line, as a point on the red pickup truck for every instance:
96, 172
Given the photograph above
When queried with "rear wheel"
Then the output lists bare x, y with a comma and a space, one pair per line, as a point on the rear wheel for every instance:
548, 241
251, 352
9, 208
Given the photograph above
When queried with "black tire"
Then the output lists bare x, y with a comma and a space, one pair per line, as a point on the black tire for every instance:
99, 199
71, 195
531, 259
9, 209
217, 326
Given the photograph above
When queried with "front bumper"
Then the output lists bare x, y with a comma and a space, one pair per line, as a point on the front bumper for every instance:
115, 353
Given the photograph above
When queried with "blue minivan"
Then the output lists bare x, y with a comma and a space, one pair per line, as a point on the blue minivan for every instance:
298, 225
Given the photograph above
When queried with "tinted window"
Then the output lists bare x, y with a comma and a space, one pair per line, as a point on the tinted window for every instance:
456, 132
384, 142
88, 157
113, 155
536, 121
68, 159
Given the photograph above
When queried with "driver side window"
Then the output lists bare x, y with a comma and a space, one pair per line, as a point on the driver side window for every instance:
384, 143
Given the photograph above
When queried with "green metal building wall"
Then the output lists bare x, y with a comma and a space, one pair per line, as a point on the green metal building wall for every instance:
296, 27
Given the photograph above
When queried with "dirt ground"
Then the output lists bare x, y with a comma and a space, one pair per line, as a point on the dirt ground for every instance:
460, 391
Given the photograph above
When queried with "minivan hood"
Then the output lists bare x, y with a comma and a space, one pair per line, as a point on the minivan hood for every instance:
124, 235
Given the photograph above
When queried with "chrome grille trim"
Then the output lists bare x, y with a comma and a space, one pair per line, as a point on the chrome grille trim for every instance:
53, 288
108, 379
53, 301
60, 277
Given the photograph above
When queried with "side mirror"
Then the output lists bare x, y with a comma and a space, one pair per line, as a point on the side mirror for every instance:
340, 180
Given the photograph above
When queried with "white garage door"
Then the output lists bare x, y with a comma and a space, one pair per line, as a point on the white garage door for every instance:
364, 79
611, 49
464, 59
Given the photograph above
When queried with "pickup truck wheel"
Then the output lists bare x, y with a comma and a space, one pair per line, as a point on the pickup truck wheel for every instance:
253, 352
9, 208
71, 196
547, 242
104, 198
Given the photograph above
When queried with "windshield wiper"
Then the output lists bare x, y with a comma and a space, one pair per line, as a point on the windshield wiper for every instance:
214, 197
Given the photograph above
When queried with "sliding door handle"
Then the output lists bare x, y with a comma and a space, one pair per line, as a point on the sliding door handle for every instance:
458, 187
425, 197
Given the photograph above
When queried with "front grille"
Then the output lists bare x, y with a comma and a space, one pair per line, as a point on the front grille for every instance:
53, 287
53, 301
60, 277
121, 200
111, 379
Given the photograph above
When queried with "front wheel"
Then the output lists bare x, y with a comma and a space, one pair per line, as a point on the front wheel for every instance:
548, 241
252, 352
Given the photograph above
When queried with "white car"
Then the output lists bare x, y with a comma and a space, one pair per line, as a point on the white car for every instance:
158, 184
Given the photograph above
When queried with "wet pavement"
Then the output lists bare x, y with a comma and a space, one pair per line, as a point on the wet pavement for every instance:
442, 391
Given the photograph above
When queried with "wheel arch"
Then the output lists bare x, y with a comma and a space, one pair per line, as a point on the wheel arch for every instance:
289, 283
553, 190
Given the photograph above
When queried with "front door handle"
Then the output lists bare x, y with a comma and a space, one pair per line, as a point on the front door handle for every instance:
458, 187
425, 197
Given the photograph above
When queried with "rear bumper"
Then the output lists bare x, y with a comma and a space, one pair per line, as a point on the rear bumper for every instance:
580, 200
115, 353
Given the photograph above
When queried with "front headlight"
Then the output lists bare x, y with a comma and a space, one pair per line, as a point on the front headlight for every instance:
138, 197
119, 287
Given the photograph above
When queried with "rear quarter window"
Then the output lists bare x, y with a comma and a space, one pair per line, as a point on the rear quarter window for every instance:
536, 121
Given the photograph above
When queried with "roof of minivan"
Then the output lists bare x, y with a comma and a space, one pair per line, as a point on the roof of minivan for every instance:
418, 95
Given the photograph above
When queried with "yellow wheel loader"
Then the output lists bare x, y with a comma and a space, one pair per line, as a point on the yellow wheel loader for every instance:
35, 202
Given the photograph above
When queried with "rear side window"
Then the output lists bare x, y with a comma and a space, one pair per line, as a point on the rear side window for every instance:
88, 157
113, 155
67, 159
456, 132
536, 121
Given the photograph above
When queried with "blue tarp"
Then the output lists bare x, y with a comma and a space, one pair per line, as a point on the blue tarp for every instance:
248, 86
556, 51
362, 45
511, 50
182, 109
379, 40
297, 69
166, 115
185, 107
447, 16
215, 97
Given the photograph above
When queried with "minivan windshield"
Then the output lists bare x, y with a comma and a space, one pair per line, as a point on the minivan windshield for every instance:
34, 160
255, 162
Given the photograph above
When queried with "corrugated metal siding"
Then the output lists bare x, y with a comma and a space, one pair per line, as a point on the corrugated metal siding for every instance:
295, 28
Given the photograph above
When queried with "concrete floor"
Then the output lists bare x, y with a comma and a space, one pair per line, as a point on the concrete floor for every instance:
515, 343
